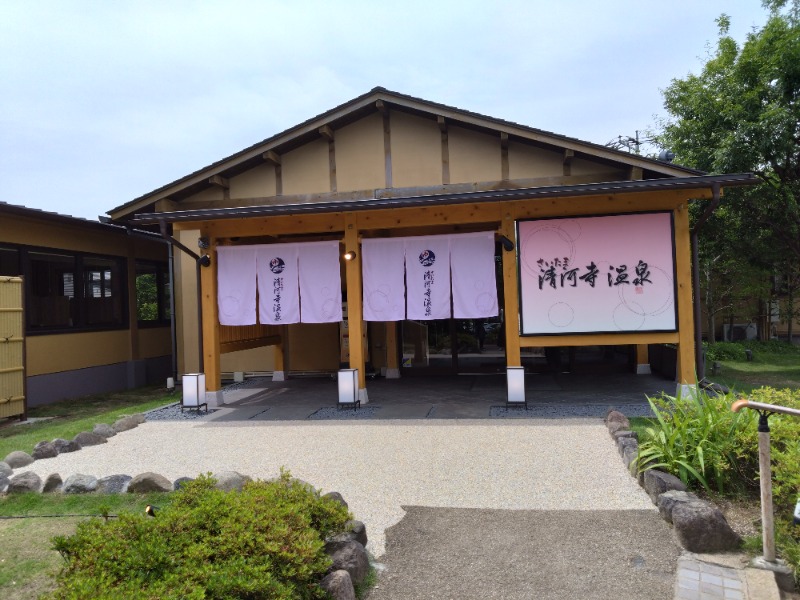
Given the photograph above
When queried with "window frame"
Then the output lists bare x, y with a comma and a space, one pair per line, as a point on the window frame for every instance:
162, 284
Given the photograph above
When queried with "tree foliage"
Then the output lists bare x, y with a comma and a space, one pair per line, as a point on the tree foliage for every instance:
742, 114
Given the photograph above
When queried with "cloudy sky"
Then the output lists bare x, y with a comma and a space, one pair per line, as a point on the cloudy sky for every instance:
102, 101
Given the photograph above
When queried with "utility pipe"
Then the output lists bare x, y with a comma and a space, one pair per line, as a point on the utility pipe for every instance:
699, 363
765, 468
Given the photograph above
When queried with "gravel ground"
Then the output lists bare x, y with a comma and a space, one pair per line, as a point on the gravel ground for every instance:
380, 466
173, 412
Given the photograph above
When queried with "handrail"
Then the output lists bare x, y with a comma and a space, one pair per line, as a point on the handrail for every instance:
773, 408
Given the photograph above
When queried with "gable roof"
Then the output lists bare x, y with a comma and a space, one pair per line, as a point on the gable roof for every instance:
370, 102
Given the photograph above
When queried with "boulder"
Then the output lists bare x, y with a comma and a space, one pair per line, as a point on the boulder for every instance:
25, 482
337, 497
5, 482
149, 482
701, 527
629, 456
64, 446
180, 482
625, 443
615, 426
79, 484
339, 585
87, 438
52, 483
359, 530
614, 416
44, 450
229, 481
125, 424
5, 469
626, 433
349, 556
657, 482
18, 459
113, 484
139, 418
104, 430
668, 500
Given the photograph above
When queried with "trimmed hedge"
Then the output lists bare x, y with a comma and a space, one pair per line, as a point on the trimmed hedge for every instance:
266, 541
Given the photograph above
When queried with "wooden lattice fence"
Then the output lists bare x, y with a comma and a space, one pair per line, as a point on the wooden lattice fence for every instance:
12, 348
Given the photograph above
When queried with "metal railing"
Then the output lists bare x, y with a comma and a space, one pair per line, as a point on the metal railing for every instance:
765, 468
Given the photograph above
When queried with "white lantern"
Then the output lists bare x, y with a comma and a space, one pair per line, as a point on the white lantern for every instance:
348, 388
515, 377
194, 390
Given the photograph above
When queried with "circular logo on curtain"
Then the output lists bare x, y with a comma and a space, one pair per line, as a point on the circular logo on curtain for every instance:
427, 258
276, 265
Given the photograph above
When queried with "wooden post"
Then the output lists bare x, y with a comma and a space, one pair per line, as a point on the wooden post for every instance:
765, 476
211, 350
511, 294
392, 356
279, 351
354, 300
642, 360
685, 372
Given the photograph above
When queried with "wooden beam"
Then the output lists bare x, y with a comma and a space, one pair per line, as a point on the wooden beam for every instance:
685, 372
445, 152
392, 355
568, 156
442, 123
219, 181
354, 300
332, 162
166, 205
504, 168
635, 174
387, 148
326, 132
511, 295
503, 140
381, 106
272, 340
272, 157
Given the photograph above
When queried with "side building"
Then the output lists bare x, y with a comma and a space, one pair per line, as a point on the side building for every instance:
96, 303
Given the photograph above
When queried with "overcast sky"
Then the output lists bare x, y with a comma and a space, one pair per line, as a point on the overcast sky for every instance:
103, 101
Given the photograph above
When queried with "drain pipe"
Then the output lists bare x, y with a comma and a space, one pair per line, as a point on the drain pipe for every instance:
173, 323
200, 261
699, 362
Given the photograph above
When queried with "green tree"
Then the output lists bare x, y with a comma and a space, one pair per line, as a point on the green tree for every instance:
742, 113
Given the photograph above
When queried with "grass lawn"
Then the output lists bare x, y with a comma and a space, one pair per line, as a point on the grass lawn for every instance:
27, 560
68, 418
773, 370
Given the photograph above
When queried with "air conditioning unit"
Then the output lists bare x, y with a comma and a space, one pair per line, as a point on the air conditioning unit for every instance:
739, 332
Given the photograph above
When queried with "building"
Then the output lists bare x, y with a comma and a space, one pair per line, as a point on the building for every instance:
85, 332
388, 170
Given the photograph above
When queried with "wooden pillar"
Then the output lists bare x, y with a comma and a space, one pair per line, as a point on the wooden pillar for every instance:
685, 372
642, 359
279, 352
354, 299
511, 294
392, 356
211, 349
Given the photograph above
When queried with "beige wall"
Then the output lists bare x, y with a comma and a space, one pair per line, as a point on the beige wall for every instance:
154, 341
526, 161
67, 351
306, 170
360, 159
256, 183
255, 359
416, 151
313, 346
473, 156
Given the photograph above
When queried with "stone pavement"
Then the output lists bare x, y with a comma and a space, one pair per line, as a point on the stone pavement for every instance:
722, 577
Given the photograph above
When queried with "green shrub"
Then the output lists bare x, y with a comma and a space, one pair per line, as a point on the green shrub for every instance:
266, 541
724, 351
771, 347
693, 438
736, 350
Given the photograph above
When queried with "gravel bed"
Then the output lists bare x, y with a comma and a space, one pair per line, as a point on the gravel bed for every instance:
330, 413
173, 412
379, 467
560, 411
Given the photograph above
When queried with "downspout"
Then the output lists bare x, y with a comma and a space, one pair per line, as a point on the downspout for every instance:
200, 261
699, 362
173, 323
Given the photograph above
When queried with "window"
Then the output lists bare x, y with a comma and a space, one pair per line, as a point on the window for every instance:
73, 291
9, 262
152, 293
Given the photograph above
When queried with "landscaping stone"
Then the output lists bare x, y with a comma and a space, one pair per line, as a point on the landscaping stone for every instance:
87, 438
358, 529
52, 483
626, 433
149, 482
125, 424
5, 469
657, 482
626, 442
139, 418
337, 497
64, 446
670, 499
180, 482
701, 527
339, 585
104, 430
629, 456
615, 416
5, 482
25, 482
228, 481
79, 484
351, 557
18, 459
113, 484
615, 426
44, 450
